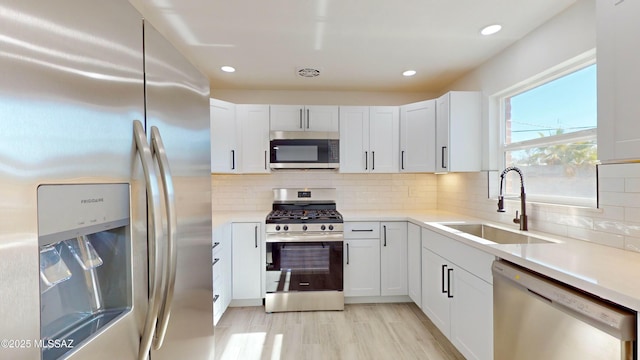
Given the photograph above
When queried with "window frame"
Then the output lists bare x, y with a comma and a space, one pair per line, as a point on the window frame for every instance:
545, 77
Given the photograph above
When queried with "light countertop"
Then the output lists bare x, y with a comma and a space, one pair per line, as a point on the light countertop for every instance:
607, 272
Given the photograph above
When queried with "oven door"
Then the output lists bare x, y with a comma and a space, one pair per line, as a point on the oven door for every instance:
298, 266
305, 154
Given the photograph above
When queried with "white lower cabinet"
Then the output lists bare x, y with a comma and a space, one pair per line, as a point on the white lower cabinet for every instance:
393, 258
457, 301
246, 260
221, 268
361, 258
472, 315
362, 267
414, 263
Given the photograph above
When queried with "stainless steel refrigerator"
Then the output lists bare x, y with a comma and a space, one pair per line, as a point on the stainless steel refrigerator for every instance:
105, 191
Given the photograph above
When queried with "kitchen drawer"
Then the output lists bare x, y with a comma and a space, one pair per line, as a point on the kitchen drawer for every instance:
219, 299
218, 268
362, 230
216, 248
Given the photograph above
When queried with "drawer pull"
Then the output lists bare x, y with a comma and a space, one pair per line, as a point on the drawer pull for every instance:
215, 261
215, 245
361, 230
215, 298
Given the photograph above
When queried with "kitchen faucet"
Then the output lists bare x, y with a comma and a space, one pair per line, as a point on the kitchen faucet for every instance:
522, 220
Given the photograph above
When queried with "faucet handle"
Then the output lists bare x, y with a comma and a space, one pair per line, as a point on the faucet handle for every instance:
516, 220
501, 204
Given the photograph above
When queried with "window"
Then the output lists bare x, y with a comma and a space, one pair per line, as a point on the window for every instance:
550, 133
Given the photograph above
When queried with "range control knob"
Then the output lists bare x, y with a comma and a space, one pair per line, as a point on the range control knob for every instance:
277, 227
323, 227
286, 228
330, 227
304, 227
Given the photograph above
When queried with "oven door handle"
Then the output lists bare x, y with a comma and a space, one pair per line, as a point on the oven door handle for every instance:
287, 238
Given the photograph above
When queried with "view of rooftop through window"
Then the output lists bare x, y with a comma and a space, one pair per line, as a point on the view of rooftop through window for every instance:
550, 134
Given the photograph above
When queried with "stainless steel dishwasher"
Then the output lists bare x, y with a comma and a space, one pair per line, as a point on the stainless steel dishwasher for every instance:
535, 317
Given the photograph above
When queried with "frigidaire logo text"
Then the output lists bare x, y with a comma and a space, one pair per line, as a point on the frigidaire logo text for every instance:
89, 201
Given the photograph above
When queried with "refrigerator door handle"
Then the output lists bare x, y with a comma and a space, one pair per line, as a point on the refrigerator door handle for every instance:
153, 200
169, 277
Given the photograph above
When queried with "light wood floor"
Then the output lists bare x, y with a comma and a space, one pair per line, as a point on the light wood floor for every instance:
361, 331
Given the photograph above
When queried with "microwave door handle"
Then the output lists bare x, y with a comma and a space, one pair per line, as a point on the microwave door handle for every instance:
153, 200
159, 151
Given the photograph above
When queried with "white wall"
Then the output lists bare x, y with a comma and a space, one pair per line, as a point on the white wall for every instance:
617, 222
570, 34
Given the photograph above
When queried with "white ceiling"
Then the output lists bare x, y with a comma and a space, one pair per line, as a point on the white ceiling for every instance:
358, 45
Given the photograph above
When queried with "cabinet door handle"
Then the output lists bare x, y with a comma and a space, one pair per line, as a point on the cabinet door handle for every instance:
215, 245
384, 227
215, 261
402, 160
255, 236
307, 118
449, 272
443, 280
300, 118
215, 298
444, 165
361, 230
347, 253
233, 159
265, 159
373, 160
366, 160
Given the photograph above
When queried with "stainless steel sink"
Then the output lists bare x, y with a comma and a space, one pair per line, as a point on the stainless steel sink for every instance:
497, 235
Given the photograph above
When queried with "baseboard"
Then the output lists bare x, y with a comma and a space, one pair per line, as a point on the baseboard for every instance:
377, 299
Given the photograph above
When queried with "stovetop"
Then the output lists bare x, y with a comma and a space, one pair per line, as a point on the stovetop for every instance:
282, 216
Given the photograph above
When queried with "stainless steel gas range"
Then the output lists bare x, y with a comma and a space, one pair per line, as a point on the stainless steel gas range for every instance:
304, 242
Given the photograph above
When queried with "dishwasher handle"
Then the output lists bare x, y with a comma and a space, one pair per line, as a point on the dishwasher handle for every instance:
617, 321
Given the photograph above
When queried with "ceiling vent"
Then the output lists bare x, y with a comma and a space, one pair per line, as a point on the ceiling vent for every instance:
308, 72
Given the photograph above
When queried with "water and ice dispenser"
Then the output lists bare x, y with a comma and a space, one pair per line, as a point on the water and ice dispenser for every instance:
85, 261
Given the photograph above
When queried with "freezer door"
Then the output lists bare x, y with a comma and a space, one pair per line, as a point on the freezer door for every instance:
72, 83
177, 106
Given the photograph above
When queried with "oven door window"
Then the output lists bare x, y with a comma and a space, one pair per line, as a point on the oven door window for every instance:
304, 266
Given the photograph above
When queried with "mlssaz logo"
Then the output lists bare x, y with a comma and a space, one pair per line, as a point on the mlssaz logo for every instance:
90, 201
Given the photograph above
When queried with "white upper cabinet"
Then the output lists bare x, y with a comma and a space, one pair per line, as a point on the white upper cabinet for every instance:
224, 137
254, 130
384, 138
417, 137
369, 139
618, 31
458, 131
304, 118
354, 139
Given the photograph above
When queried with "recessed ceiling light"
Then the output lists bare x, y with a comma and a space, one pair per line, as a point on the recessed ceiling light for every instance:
491, 29
228, 69
409, 73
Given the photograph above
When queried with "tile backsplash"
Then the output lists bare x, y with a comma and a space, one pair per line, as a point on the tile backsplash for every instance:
616, 223
355, 191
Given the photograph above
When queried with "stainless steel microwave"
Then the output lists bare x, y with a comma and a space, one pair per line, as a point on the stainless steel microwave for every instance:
304, 150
